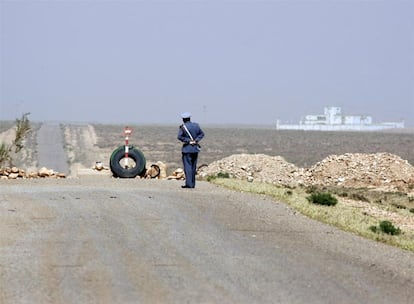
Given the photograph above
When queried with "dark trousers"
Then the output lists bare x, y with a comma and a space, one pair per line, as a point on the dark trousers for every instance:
190, 168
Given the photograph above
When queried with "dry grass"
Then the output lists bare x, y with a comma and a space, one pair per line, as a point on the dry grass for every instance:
349, 215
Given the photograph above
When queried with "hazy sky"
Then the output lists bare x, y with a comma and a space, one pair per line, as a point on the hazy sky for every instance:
224, 61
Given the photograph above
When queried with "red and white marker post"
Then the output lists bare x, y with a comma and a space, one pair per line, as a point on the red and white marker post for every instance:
127, 132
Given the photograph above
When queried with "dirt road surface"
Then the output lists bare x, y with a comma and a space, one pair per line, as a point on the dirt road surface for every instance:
96, 239
50, 152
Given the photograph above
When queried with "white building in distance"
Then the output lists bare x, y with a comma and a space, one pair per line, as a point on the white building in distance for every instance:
333, 120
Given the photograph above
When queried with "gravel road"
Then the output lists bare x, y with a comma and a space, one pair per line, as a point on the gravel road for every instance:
50, 152
96, 239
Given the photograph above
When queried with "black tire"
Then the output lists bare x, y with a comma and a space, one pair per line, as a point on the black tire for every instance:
119, 154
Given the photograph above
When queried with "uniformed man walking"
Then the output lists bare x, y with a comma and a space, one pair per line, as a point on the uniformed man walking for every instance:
189, 134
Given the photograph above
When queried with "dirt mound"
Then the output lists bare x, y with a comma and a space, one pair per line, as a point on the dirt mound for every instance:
381, 170
259, 167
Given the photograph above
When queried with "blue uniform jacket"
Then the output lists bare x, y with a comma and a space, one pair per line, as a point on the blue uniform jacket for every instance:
196, 133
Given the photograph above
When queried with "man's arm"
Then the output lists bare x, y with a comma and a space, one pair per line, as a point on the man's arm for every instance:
182, 136
200, 135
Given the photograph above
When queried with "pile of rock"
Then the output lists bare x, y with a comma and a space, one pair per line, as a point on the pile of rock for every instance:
18, 173
259, 167
380, 170
178, 174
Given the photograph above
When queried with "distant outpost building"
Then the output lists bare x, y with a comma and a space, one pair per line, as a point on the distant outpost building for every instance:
333, 120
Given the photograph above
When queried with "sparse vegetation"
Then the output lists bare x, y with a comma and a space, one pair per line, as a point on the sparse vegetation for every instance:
386, 227
312, 189
4, 153
223, 175
22, 129
218, 175
348, 216
322, 198
358, 197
